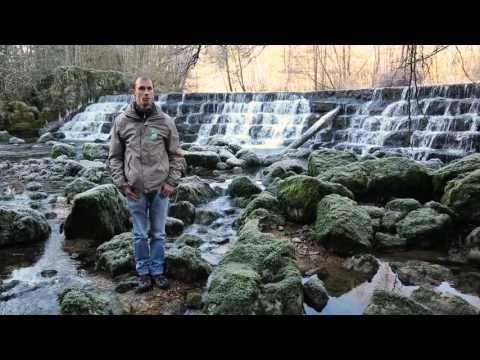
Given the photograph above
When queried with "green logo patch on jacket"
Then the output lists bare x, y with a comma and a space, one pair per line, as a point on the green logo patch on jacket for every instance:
152, 134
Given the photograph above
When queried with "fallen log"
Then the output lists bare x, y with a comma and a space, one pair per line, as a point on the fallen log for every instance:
320, 123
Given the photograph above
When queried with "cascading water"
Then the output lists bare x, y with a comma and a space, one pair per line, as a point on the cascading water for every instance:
441, 127
444, 123
259, 121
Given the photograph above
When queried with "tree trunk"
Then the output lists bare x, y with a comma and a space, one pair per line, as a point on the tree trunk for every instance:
324, 120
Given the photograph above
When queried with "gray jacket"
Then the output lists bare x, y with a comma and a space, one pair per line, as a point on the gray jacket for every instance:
145, 153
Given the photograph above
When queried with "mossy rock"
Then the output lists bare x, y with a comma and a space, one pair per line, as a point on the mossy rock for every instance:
22, 226
403, 205
62, 149
389, 303
243, 186
324, 159
76, 301
453, 170
299, 196
186, 264
116, 255
463, 197
343, 226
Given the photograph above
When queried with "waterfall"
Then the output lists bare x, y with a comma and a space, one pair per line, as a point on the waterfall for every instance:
444, 120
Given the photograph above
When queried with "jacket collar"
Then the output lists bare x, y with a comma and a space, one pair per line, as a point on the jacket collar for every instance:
155, 115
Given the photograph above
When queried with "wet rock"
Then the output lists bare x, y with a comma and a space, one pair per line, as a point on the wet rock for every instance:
9, 285
194, 300
365, 263
77, 186
373, 211
300, 194
116, 256
390, 219
33, 186
383, 179
185, 264
266, 219
264, 200
236, 164
249, 157
463, 197
22, 226
194, 190
59, 149
205, 159
388, 242
324, 159
442, 209
50, 215
49, 273
453, 170
423, 227
414, 272
225, 155
174, 227
315, 294
403, 205
4, 136
99, 214
243, 186
257, 276
16, 140
175, 307
92, 151
343, 226
76, 301
189, 240
37, 195
182, 210
222, 166
389, 303
45, 137
282, 168
443, 303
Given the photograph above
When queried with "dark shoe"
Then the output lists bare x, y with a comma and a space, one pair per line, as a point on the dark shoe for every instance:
161, 281
144, 283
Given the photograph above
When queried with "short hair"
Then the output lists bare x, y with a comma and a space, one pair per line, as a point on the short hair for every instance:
141, 77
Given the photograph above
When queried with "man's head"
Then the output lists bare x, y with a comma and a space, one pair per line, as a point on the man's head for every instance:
142, 89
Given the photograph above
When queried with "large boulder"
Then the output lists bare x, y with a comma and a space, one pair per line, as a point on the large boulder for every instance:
243, 186
98, 214
77, 301
383, 179
4, 136
454, 169
249, 157
194, 190
264, 200
257, 276
385, 302
206, 159
321, 160
186, 264
424, 227
343, 226
463, 196
59, 149
284, 168
315, 293
22, 226
77, 186
182, 210
443, 303
92, 151
300, 194
415, 272
116, 256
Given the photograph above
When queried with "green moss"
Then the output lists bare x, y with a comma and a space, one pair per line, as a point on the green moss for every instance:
342, 225
322, 160
463, 197
75, 301
299, 195
452, 170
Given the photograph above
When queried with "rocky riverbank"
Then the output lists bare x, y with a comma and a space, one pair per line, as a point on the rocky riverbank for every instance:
311, 231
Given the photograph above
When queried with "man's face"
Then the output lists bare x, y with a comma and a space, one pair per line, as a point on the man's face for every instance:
144, 93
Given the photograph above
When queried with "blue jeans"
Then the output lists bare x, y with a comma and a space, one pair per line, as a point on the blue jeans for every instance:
149, 214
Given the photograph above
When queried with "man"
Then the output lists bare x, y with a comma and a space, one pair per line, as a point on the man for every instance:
146, 162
